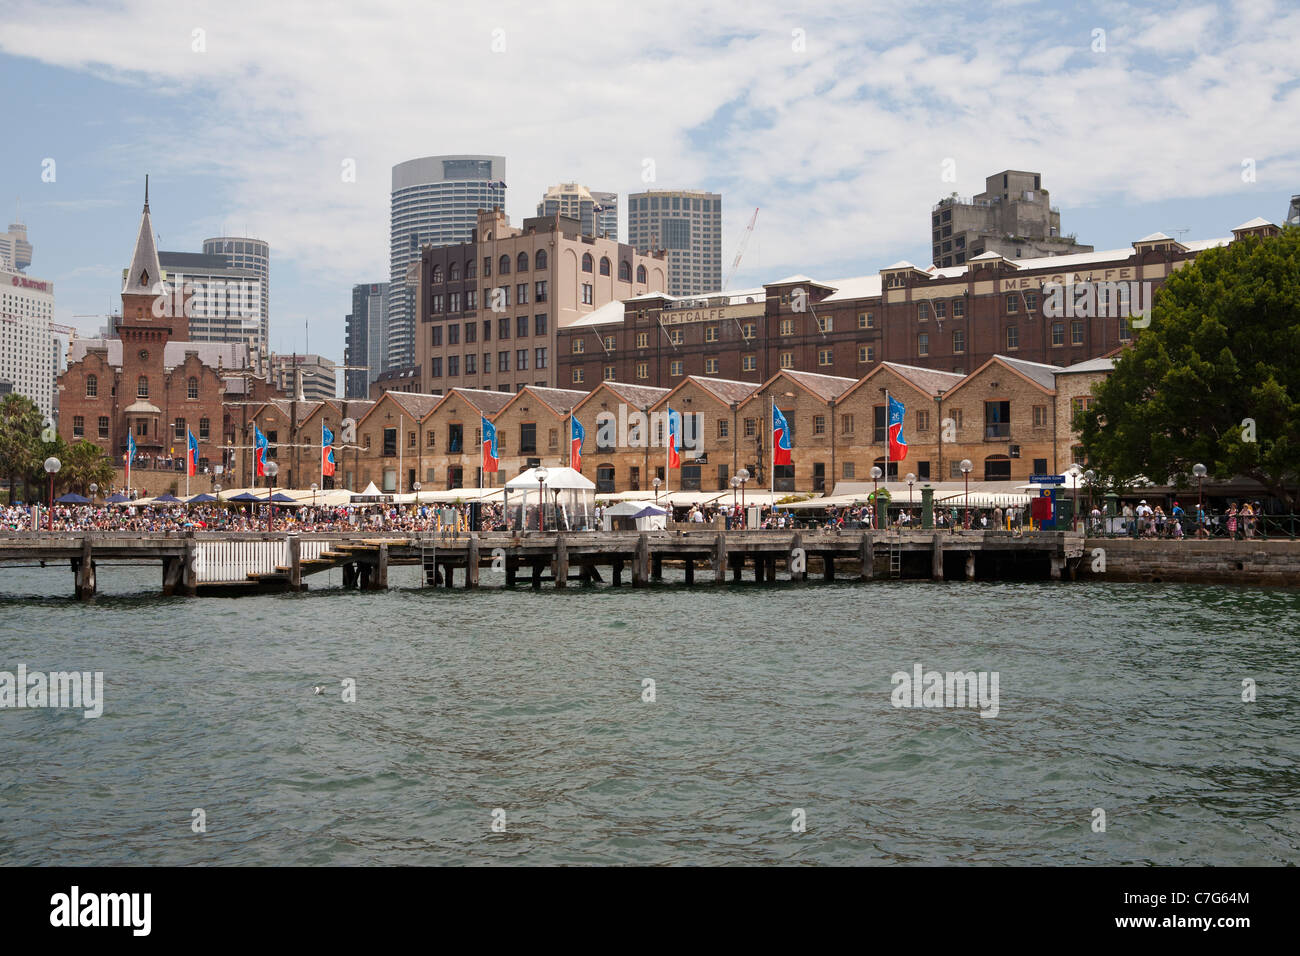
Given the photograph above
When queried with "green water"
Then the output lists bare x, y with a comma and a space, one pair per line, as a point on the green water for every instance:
768, 700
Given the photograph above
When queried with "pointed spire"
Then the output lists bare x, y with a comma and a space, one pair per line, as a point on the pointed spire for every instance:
144, 272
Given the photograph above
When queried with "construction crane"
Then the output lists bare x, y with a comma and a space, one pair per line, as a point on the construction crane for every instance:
740, 252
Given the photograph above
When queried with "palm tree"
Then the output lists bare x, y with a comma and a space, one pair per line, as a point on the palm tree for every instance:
20, 445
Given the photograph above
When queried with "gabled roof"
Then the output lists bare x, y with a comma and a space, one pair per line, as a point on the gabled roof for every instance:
800, 278
1091, 365
929, 380
416, 404
1044, 376
900, 264
285, 408
727, 390
858, 287
487, 402
824, 387
1253, 224
637, 395
1155, 237
145, 271
558, 400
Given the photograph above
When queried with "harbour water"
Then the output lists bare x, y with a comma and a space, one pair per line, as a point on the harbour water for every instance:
767, 700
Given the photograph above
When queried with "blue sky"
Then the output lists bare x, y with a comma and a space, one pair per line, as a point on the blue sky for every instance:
836, 126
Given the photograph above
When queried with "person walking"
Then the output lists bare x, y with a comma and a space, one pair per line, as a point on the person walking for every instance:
1232, 520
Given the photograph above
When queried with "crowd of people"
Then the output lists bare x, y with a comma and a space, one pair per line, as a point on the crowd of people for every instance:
1140, 520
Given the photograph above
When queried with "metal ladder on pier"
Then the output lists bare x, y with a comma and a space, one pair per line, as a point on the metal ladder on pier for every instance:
428, 564
895, 556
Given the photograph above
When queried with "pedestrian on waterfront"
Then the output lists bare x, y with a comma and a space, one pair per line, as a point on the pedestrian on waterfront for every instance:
1232, 520
1247, 520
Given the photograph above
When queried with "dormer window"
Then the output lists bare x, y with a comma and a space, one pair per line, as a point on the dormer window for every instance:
144, 277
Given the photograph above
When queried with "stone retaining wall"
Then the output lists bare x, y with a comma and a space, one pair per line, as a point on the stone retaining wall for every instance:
1192, 560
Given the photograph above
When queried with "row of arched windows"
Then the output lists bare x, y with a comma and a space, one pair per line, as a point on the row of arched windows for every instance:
503, 266
624, 268
141, 387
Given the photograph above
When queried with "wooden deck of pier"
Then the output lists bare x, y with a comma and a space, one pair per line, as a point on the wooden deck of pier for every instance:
209, 563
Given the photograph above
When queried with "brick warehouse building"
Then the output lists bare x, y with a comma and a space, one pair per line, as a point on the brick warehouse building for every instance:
953, 319
543, 276
150, 380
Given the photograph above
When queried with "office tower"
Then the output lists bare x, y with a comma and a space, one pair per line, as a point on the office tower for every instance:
366, 337
14, 247
248, 255
225, 303
687, 224
596, 212
435, 201
315, 373
1013, 217
28, 347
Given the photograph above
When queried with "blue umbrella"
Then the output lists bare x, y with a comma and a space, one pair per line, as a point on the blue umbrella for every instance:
72, 498
280, 499
650, 511
201, 499
117, 499
168, 498
246, 498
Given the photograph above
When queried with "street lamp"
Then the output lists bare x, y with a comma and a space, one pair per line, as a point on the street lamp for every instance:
1075, 471
735, 483
272, 469
1089, 476
742, 476
911, 480
656, 482
52, 466
541, 497
1199, 471
875, 498
966, 467
315, 487
94, 490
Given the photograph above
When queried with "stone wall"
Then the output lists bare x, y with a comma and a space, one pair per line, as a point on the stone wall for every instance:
1197, 561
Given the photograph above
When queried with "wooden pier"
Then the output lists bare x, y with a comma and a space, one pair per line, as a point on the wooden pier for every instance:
218, 563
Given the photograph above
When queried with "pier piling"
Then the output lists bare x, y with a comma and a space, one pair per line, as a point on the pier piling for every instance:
867, 553
84, 572
561, 562
471, 568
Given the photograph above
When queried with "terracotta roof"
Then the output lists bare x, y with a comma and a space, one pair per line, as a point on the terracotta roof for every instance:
558, 398
1044, 375
726, 389
824, 387
487, 402
416, 404
286, 408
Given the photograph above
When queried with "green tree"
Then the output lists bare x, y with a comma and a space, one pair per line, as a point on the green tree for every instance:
86, 463
1215, 379
20, 439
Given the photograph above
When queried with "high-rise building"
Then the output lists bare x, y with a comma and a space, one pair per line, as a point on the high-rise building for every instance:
1013, 217
225, 303
248, 255
1292, 214
314, 373
435, 201
596, 212
28, 347
687, 224
365, 336
15, 250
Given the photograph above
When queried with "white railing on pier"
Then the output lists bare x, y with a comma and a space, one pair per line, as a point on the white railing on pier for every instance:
218, 562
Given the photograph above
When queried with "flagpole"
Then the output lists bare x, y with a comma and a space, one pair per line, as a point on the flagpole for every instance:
889, 415
771, 477
568, 422
322, 455
668, 440
401, 440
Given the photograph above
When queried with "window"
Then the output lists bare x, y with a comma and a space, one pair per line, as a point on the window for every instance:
787, 326
390, 442
435, 367
1076, 333
1125, 330
923, 343
453, 302
577, 376
710, 333
624, 271
487, 330
825, 356
103, 426
521, 262
453, 335
539, 357
608, 373
142, 387
78, 425
92, 386
521, 360
471, 300
579, 346
1058, 334
410, 439
586, 262
958, 308
1031, 301
438, 303
819, 424
586, 293
1013, 304
521, 294
503, 328
453, 365
604, 265
997, 420
710, 366
1013, 338
454, 271
866, 353
178, 429
435, 335
528, 438
846, 424
923, 312
955, 415
1040, 416
940, 309
751, 427
205, 429
471, 364
848, 469
866, 320
642, 369
142, 427
724, 428
521, 327
825, 323
641, 274
958, 340
471, 270
455, 438
503, 361
1080, 404
642, 340
539, 259
429, 438
503, 266
675, 367
748, 330
997, 468
787, 360
471, 332
539, 324
878, 424
749, 363
437, 273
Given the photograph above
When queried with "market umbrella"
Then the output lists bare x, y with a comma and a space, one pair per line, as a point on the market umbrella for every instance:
282, 499
72, 498
167, 498
201, 499
246, 498
650, 511
117, 499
